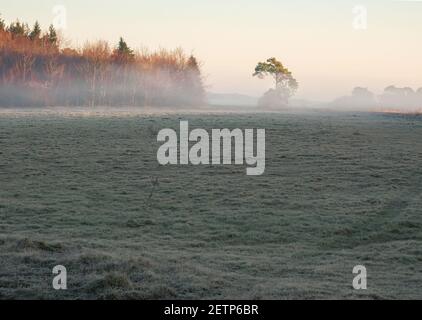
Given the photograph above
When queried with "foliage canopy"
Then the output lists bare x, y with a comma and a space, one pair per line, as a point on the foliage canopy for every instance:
285, 85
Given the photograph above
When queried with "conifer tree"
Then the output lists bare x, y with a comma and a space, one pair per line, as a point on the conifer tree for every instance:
123, 52
193, 81
52, 35
36, 32
18, 29
2, 24
193, 66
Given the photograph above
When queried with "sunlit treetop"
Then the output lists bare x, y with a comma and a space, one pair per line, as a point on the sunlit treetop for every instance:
282, 76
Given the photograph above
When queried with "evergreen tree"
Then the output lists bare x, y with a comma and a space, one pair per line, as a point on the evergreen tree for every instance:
52, 35
193, 65
18, 29
193, 82
2, 24
123, 51
36, 32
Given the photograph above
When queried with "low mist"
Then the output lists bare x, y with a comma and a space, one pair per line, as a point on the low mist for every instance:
393, 99
36, 70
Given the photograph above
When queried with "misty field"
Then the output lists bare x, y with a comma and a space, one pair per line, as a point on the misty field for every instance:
85, 191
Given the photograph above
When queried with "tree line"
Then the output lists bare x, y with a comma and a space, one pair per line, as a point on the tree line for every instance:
392, 98
37, 70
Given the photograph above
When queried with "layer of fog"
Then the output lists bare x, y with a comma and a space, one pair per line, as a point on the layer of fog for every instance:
113, 86
393, 99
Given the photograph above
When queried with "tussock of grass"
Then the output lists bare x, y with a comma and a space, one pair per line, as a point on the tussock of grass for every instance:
110, 281
137, 223
27, 244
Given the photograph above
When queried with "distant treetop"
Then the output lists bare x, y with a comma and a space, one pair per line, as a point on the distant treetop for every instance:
52, 35
36, 32
123, 52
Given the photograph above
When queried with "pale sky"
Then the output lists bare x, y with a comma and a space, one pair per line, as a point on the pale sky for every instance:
314, 39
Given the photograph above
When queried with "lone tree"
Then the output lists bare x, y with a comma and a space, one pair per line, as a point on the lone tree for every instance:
285, 85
